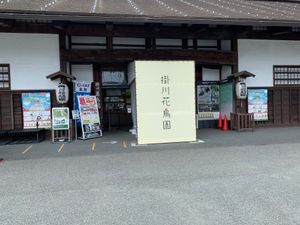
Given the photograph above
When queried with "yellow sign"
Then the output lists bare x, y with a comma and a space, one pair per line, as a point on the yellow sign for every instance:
165, 98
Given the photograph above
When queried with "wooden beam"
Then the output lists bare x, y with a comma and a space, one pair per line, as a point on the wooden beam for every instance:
146, 31
126, 55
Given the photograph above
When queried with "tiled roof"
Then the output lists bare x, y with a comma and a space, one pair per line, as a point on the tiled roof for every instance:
233, 11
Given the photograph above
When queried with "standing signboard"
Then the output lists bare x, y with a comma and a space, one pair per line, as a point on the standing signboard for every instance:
81, 88
89, 115
36, 108
258, 103
165, 101
60, 118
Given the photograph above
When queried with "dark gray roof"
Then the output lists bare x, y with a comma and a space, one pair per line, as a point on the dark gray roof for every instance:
198, 11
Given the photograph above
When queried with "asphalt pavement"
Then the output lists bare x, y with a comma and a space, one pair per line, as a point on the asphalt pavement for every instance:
231, 178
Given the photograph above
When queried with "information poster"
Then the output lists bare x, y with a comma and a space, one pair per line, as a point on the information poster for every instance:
208, 101
226, 99
36, 108
81, 88
90, 121
258, 103
60, 118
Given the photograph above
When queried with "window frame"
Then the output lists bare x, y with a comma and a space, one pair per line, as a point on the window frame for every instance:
3, 65
286, 75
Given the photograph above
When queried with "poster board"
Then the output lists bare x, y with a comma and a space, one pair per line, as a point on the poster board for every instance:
89, 116
226, 99
208, 101
258, 103
165, 101
60, 118
36, 107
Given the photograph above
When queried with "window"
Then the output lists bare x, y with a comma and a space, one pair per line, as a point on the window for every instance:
4, 77
286, 75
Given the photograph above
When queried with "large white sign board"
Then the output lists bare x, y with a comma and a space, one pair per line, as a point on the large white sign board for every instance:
165, 95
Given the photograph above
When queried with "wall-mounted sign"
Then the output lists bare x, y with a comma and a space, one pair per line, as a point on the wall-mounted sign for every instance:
89, 115
208, 101
113, 78
60, 118
258, 103
62, 93
82, 87
36, 110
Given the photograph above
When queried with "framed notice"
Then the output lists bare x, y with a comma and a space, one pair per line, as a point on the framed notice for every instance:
208, 96
36, 107
258, 103
89, 115
113, 78
60, 118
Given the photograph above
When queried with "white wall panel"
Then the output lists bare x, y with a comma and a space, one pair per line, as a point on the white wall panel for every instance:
259, 56
226, 72
210, 74
31, 57
83, 72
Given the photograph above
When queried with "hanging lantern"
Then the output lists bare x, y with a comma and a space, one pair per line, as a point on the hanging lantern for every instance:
241, 90
62, 93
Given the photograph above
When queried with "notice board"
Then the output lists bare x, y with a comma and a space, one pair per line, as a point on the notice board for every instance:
208, 101
36, 107
258, 103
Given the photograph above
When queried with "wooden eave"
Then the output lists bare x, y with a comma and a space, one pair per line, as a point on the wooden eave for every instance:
60, 75
243, 74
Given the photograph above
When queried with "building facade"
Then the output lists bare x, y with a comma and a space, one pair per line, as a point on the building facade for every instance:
91, 39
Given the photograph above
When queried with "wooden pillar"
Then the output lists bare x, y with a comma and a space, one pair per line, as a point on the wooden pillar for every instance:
109, 36
195, 44
185, 44
62, 46
148, 43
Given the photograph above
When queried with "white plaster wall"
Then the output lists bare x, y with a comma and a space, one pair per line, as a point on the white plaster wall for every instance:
83, 72
226, 45
259, 56
226, 72
210, 74
31, 57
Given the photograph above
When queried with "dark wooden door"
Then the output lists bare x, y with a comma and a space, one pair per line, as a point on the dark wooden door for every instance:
6, 115
284, 106
277, 98
11, 111
294, 106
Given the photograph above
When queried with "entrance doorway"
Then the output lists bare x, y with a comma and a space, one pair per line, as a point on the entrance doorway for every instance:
116, 100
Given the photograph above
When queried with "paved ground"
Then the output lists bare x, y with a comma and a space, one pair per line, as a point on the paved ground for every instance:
246, 178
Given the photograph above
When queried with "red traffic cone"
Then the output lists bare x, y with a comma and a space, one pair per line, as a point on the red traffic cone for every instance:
225, 124
220, 123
